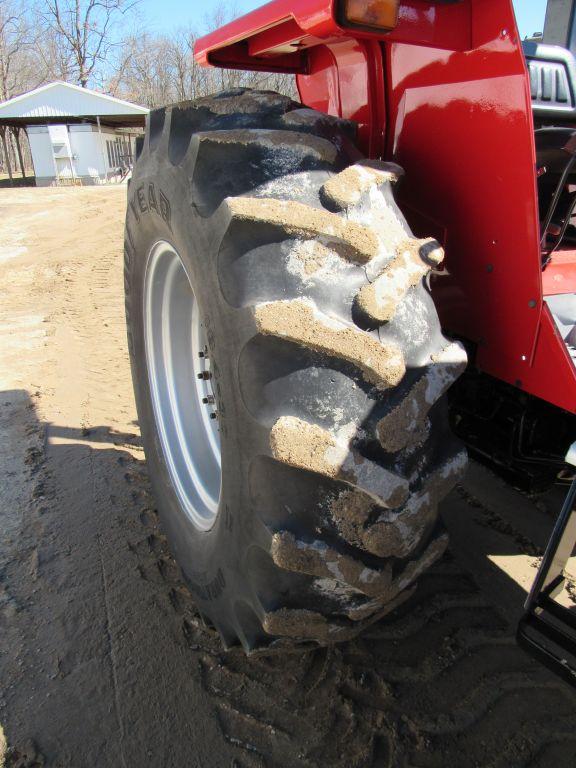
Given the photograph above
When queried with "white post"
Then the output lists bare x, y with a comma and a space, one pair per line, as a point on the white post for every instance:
70, 158
102, 149
54, 163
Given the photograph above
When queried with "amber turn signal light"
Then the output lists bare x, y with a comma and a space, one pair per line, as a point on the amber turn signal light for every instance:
376, 14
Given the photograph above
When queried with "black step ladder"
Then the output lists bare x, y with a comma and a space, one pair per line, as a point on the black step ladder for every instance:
548, 629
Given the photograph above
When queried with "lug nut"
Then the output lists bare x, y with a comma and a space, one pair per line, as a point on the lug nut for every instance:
208, 400
205, 375
214, 415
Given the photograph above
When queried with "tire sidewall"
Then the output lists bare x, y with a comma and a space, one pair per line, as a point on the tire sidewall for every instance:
159, 210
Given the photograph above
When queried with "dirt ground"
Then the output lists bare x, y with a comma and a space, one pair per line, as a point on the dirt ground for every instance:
103, 660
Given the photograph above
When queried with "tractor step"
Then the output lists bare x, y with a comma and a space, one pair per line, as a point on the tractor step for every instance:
548, 628
548, 632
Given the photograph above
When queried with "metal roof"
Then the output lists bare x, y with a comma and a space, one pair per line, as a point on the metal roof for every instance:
50, 103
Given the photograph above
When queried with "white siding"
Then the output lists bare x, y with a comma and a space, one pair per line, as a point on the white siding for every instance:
62, 151
41, 148
89, 159
78, 150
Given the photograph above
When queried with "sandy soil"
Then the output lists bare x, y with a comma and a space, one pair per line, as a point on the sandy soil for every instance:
104, 661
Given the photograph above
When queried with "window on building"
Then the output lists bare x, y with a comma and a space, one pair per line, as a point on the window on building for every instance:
110, 151
120, 152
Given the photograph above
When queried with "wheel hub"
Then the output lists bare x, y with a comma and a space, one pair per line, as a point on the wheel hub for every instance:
180, 378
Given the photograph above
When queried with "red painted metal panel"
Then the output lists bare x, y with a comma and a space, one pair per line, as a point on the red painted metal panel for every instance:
320, 89
461, 125
313, 17
420, 22
560, 275
342, 67
279, 39
551, 375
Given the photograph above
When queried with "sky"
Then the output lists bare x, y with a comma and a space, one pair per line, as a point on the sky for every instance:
163, 15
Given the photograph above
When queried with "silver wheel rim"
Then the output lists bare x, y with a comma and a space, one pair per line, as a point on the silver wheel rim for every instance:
178, 362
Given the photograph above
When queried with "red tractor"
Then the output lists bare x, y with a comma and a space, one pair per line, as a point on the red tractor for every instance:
305, 283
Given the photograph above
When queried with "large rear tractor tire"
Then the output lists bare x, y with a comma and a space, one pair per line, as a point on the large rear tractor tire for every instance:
289, 368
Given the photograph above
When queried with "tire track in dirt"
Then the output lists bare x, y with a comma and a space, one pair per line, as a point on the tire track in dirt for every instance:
441, 684
97, 617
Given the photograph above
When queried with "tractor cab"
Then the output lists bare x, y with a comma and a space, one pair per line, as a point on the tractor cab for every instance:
552, 75
552, 79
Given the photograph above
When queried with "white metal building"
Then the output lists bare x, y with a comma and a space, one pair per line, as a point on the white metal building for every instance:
77, 136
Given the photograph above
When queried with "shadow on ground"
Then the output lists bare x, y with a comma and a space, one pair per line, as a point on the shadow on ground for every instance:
18, 181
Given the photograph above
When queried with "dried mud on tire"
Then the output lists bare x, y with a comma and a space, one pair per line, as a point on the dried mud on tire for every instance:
105, 661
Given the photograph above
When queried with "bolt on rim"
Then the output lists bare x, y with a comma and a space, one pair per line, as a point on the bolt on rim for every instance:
180, 378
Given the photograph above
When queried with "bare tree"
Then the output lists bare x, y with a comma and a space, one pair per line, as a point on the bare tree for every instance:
85, 32
18, 69
158, 69
18, 72
29, 55
188, 78
144, 74
55, 62
154, 70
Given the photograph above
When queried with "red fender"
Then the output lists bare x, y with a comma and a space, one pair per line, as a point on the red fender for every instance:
446, 95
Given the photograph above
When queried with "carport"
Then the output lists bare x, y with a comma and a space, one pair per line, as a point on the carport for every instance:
76, 135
